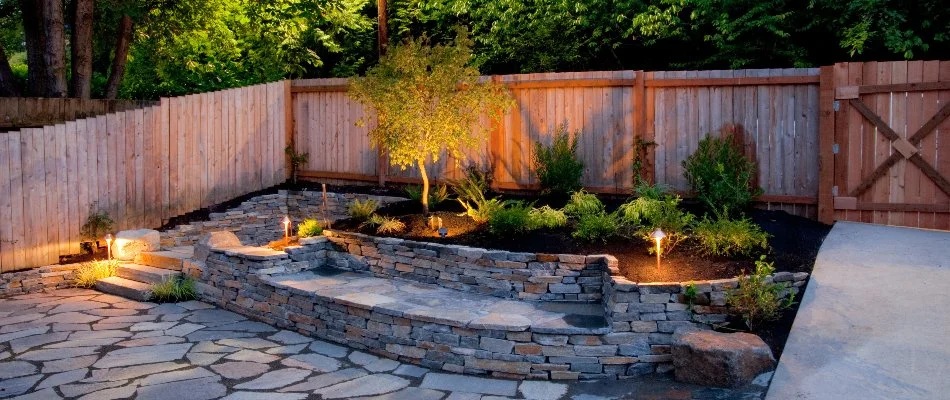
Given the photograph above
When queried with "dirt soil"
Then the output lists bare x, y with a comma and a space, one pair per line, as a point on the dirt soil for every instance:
793, 245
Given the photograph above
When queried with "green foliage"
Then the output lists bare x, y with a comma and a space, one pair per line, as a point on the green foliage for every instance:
546, 217
690, 293
89, 272
728, 237
557, 167
511, 220
596, 226
482, 212
470, 192
757, 299
385, 225
440, 194
721, 175
309, 228
296, 160
639, 157
656, 209
583, 203
363, 209
174, 290
97, 225
428, 102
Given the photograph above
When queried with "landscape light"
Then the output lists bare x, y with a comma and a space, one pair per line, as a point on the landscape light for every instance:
286, 222
658, 237
109, 246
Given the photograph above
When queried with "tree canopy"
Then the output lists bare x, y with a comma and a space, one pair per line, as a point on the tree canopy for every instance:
178, 47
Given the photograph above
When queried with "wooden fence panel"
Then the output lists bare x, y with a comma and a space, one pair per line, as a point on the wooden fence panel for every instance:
29, 112
143, 165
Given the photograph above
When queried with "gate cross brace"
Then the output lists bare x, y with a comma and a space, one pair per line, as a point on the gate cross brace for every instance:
905, 148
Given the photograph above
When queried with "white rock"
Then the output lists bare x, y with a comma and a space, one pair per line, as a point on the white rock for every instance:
129, 244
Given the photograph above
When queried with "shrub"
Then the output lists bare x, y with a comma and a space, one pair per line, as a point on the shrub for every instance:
436, 196
599, 226
546, 217
174, 290
484, 211
98, 223
583, 203
510, 220
309, 228
655, 209
89, 272
470, 193
721, 175
362, 209
385, 225
727, 237
757, 299
557, 167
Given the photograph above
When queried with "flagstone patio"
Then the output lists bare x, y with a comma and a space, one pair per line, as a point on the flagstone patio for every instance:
83, 344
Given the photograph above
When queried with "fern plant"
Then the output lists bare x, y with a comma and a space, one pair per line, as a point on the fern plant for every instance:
583, 203
546, 217
654, 209
728, 237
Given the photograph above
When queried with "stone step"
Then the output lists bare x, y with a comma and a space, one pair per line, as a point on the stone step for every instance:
145, 273
165, 259
129, 289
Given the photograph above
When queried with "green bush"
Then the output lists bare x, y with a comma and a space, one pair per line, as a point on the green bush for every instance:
654, 209
597, 226
546, 217
471, 192
309, 228
757, 299
721, 175
583, 203
89, 272
174, 290
513, 219
557, 167
385, 225
728, 237
363, 209
97, 225
436, 195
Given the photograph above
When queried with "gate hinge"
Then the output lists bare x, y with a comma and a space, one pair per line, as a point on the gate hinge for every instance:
834, 148
834, 190
837, 105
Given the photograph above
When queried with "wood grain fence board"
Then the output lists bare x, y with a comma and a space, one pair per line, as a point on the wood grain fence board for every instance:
48, 156
17, 210
72, 193
7, 239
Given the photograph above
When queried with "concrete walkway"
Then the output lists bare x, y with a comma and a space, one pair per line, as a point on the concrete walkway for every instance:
82, 344
875, 319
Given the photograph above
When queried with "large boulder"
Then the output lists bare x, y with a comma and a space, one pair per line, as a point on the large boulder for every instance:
129, 244
712, 358
214, 240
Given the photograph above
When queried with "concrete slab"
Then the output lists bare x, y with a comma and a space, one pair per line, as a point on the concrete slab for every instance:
873, 320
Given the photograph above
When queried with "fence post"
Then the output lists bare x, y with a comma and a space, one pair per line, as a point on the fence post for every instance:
826, 138
288, 126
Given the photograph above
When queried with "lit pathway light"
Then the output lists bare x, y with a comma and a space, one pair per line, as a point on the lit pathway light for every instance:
286, 222
658, 237
109, 246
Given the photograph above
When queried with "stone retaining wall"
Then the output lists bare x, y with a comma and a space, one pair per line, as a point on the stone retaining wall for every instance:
525, 276
37, 279
258, 221
641, 316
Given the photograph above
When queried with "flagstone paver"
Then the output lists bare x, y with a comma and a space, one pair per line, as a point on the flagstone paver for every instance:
112, 348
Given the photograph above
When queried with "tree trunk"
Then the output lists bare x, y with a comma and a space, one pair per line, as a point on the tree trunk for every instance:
55, 53
36, 82
8, 85
425, 188
120, 58
82, 49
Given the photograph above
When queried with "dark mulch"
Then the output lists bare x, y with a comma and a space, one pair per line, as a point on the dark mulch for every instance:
97, 254
794, 243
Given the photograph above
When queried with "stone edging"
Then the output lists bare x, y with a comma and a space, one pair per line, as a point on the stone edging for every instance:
37, 279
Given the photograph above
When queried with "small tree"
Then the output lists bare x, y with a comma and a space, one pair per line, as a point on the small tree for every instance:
428, 99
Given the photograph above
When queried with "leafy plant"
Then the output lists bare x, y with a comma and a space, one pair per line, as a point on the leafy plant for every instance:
654, 209
483, 211
89, 272
758, 299
690, 293
97, 225
583, 203
721, 175
309, 228
428, 101
639, 157
440, 194
385, 225
296, 160
558, 169
546, 217
362, 209
510, 220
727, 237
596, 226
471, 192
174, 290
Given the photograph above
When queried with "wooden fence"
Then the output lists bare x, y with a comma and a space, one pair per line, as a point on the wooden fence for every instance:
776, 109
32, 112
142, 166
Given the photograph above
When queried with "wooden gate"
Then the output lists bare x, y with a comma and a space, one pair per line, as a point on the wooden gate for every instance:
891, 157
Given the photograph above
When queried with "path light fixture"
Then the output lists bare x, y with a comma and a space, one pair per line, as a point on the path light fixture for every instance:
658, 236
286, 222
109, 246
